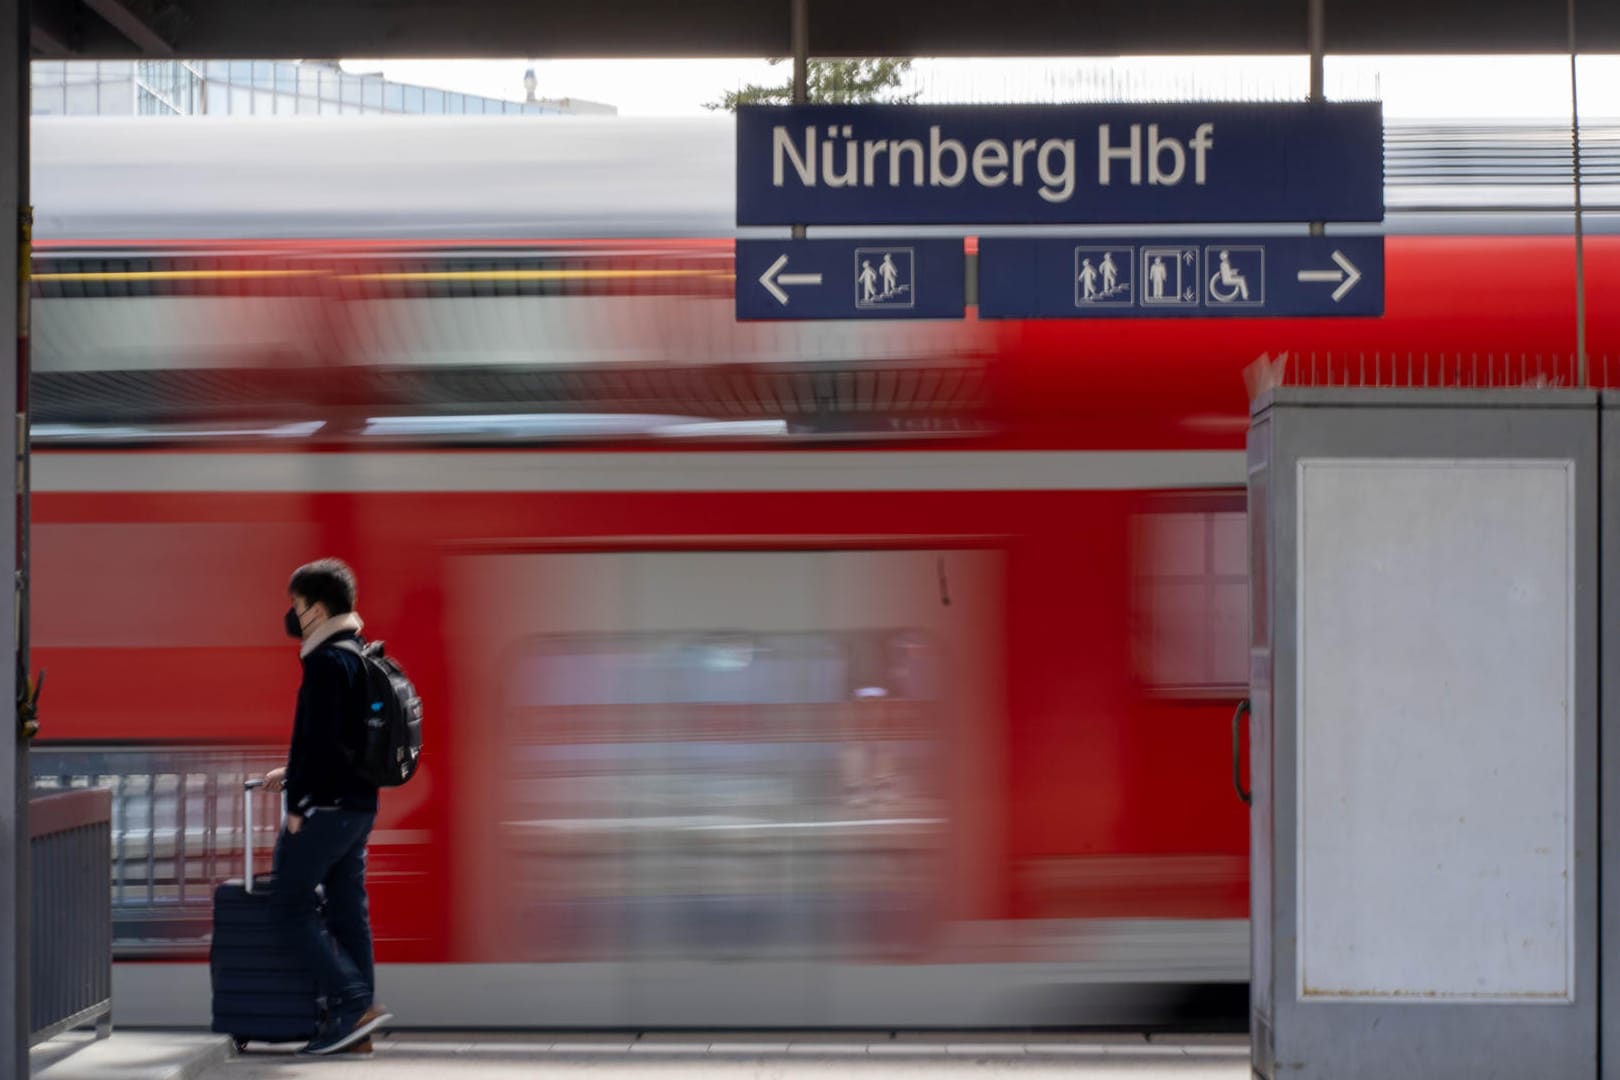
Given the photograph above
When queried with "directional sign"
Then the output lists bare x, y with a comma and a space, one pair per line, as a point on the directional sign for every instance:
1345, 277
850, 279
1059, 164
776, 282
1235, 277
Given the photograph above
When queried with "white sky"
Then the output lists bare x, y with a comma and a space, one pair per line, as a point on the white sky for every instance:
1495, 87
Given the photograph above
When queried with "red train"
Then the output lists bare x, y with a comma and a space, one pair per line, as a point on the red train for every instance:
775, 675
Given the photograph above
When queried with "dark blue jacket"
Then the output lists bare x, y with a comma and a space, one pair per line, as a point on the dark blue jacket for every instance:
330, 706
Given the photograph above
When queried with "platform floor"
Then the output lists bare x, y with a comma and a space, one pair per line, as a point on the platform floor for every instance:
195, 1055
486, 1056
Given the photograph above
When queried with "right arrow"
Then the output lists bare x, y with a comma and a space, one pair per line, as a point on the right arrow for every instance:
1349, 275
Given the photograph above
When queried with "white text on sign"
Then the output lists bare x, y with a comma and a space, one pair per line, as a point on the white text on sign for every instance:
836, 158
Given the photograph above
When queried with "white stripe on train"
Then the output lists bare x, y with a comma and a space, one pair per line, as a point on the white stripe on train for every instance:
538, 471
1110, 973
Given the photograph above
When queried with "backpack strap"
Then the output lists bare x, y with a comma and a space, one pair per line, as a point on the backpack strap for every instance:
350, 645
373, 649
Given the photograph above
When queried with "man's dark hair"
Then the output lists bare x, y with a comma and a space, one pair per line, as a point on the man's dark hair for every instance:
326, 581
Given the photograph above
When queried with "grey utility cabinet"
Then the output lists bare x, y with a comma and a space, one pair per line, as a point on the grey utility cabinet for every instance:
1423, 734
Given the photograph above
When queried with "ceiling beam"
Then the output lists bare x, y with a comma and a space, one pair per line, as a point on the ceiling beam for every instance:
55, 28
121, 17
331, 29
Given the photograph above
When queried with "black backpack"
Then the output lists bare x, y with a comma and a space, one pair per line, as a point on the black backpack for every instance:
386, 747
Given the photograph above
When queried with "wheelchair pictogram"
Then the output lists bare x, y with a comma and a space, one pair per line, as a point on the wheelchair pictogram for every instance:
1237, 276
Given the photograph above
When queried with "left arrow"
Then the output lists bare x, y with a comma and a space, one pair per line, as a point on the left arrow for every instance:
773, 279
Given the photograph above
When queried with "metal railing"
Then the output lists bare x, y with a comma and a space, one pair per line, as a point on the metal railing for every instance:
176, 832
70, 923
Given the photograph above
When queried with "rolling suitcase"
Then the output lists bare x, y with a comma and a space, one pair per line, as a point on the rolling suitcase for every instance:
262, 992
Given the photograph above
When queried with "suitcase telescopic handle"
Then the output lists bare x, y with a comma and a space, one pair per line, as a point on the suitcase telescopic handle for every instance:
248, 788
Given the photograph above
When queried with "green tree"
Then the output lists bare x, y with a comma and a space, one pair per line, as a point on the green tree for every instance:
830, 82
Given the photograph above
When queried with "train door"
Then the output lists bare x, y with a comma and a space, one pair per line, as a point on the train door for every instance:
706, 786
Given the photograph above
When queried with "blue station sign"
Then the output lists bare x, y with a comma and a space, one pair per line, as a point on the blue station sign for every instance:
1059, 164
851, 279
1231, 277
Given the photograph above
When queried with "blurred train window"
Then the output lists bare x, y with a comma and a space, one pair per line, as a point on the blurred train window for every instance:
726, 669
742, 794
698, 669
1190, 560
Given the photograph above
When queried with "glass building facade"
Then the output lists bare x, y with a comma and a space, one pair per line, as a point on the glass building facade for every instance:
255, 88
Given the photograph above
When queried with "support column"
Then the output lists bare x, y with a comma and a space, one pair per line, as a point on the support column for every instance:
14, 915
1316, 33
1582, 374
801, 66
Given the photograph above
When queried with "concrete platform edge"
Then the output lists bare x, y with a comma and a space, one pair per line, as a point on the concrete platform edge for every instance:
178, 1056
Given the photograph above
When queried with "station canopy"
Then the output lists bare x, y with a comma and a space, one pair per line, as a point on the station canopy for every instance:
321, 29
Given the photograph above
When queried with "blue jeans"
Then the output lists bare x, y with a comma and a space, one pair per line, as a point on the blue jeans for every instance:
329, 850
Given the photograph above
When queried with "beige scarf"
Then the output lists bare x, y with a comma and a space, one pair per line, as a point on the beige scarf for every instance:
335, 625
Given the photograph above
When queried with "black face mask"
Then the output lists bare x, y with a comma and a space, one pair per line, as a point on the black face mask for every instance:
295, 627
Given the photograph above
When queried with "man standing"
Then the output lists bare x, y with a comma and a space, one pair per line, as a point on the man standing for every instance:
1088, 280
868, 282
891, 275
330, 812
